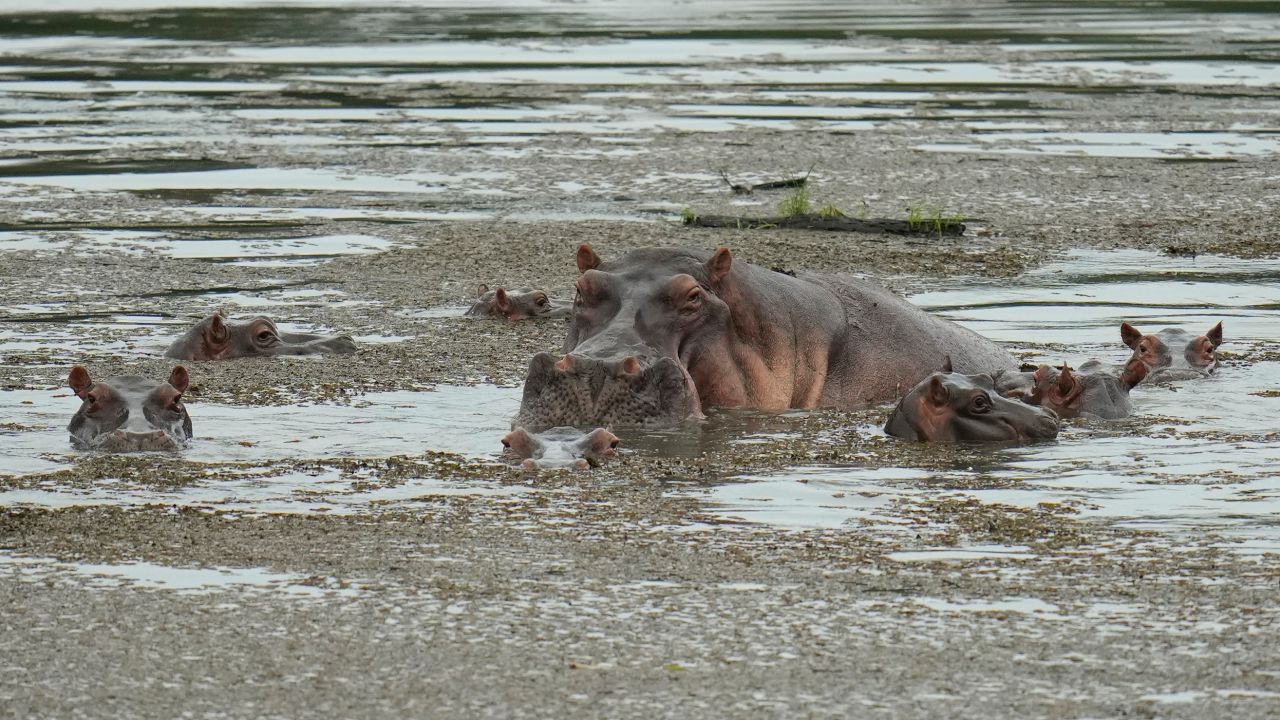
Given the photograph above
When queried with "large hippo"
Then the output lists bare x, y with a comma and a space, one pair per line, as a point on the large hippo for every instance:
129, 413
521, 304
1174, 353
1090, 390
662, 333
953, 407
561, 447
217, 338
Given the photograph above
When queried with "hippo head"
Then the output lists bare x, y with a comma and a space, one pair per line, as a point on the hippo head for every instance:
636, 323
1174, 348
951, 407
561, 447
1068, 394
217, 338
522, 304
129, 413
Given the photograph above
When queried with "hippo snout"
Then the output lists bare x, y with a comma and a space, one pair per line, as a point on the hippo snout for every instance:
133, 441
631, 389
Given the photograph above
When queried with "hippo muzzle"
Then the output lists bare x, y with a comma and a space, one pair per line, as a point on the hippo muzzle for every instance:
583, 391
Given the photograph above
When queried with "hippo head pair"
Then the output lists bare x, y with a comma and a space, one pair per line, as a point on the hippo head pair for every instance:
217, 338
1174, 353
951, 407
561, 447
1090, 390
129, 413
521, 304
634, 322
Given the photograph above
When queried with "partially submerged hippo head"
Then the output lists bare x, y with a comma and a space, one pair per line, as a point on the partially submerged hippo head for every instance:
635, 323
561, 447
521, 304
217, 338
951, 407
129, 413
1091, 390
1174, 352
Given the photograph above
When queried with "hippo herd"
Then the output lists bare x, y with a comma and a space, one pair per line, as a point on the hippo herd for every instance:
660, 334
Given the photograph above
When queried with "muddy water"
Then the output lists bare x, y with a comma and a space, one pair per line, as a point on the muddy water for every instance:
238, 138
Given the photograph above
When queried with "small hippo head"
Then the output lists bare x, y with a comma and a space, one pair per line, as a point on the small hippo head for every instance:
1069, 394
561, 447
1174, 348
129, 413
950, 407
217, 338
522, 304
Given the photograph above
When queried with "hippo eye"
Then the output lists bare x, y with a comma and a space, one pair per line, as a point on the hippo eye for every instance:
614, 444
542, 301
692, 303
980, 404
264, 336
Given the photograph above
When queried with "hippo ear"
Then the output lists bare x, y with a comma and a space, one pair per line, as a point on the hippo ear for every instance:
79, 381
938, 394
1135, 371
501, 300
480, 291
179, 379
587, 258
946, 365
1215, 335
1041, 373
1066, 381
519, 442
719, 265
1130, 335
218, 328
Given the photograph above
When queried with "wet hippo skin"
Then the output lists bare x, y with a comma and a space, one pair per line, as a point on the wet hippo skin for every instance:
1173, 353
1091, 390
218, 338
129, 412
521, 304
662, 333
952, 407
561, 447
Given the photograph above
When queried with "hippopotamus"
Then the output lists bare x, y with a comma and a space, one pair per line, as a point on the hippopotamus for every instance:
662, 333
1173, 353
217, 338
953, 407
522, 304
1092, 389
129, 412
561, 447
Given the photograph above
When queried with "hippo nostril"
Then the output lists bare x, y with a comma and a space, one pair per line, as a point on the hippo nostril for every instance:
565, 364
631, 366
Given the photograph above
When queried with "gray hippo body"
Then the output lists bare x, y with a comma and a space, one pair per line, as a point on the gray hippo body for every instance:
561, 447
217, 338
521, 304
129, 413
953, 407
661, 333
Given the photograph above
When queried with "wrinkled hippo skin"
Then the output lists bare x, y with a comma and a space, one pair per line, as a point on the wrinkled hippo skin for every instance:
1090, 390
217, 338
129, 413
1174, 353
561, 447
952, 407
522, 304
662, 333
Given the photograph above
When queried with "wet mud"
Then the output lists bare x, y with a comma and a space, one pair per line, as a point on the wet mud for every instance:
343, 536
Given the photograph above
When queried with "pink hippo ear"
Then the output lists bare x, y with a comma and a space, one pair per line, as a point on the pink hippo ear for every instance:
480, 291
938, 394
1066, 381
1135, 371
218, 328
1130, 335
603, 443
79, 381
179, 379
719, 265
519, 443
1041, 373
501, 300
946, 365
587, 258
1215, 335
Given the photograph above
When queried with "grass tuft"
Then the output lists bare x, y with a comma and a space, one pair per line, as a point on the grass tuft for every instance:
797, 203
